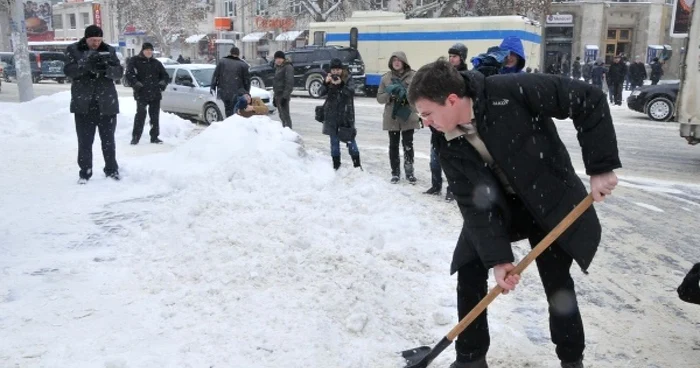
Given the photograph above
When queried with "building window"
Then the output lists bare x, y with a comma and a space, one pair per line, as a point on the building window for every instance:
86, 19
295, 7
230, 8
261, 7
57, 21
72, 23
379, 4
619, 42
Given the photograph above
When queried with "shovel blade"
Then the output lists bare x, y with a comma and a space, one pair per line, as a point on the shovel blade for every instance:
416, 358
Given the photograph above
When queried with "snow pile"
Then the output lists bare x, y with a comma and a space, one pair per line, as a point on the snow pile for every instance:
49, 117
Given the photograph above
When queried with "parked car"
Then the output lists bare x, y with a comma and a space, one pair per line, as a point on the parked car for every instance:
52, 66
167, 61
310, 64
658, 101
11, 72
188, 94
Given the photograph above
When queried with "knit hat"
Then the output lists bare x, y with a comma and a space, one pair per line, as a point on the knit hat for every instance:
235, 51
279, 55
147, 46
336, 63
93, 31
460, 50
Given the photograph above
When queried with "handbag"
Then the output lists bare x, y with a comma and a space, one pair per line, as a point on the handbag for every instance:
346, 134
320, 115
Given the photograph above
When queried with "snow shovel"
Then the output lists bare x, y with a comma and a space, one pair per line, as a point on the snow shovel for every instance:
422, 356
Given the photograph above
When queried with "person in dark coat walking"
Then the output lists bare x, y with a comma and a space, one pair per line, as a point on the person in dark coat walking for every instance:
148, 78
457, 56
576, 69
339, 110
231, 80
657, 71
616, 75
638, 73
513, 179
598, 74
283, 86
94, 66
586, 71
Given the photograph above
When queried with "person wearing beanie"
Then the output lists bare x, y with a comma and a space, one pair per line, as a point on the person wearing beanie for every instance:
282, 87
339, 112
458, 56
148, 78
231, 81
576, 68
93, 66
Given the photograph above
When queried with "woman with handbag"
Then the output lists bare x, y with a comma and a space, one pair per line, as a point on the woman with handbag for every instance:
338, 112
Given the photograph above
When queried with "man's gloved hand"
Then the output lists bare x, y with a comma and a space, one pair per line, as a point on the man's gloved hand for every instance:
162, 85
91, 60
392, 89
138, 86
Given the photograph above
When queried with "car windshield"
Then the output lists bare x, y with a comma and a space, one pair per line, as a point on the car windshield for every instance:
348, 55
203, 76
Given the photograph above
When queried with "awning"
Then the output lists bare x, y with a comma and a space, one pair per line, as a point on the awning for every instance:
288, 36
253, 37
195, 38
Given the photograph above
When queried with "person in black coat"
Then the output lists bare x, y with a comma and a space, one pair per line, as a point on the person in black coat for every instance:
231, 80
657, 71
576, 69
339, 111
94, 66
638, 73
513, 179
616, 74
148, 78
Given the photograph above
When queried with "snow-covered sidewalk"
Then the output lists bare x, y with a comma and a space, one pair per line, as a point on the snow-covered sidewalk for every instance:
238, 247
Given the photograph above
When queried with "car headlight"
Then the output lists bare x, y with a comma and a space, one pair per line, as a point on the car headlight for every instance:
636, 93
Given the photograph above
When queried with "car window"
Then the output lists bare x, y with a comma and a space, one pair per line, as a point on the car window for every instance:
301, 57
182, 73
51, 56
203, 76
170, 72
322, 55
348, 55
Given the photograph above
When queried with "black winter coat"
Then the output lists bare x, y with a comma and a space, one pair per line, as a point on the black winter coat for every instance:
656, 71
576, 70
339, 108
638, 72
617, 72
513, 117
93, 80
231, 78
150, 73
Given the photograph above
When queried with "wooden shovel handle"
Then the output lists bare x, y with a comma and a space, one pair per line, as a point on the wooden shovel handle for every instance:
529, 258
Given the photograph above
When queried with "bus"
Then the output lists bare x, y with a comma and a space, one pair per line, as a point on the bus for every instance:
377, 34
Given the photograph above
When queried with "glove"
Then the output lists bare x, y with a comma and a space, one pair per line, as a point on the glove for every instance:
392, 89
138, 86
162, 85
90, 62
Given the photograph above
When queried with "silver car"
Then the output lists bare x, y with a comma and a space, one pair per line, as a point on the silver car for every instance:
188, 93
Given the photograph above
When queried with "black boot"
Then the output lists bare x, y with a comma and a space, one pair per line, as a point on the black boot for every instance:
336, 162
449, 196
134, 141
408, 166
156, 141
356, 162
433, 191
576, 364
481, 363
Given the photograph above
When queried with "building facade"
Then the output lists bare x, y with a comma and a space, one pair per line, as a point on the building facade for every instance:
71, 18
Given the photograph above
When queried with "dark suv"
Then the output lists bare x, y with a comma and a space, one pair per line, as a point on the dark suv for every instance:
10, 71
52, 66
310, 64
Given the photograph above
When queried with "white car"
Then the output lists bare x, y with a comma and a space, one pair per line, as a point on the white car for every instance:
167, 61
188, 94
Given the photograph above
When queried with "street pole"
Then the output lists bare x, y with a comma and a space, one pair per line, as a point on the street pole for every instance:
21, 50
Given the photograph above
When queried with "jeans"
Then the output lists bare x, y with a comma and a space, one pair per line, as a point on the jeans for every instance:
335, 147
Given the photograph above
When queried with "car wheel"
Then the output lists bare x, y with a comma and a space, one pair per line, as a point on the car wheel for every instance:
660, 109
212, 114
315, 87
60, 80
257, 82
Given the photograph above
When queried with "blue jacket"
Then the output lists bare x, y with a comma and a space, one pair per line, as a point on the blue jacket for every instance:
515, 45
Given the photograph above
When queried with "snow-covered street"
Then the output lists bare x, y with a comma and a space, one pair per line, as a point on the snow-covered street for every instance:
237, 245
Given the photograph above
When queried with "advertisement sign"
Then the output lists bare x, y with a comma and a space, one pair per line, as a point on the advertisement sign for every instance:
97, 14
560, 19
38, 17
680, 23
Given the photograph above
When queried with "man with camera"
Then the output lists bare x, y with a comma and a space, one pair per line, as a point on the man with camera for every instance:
93, 66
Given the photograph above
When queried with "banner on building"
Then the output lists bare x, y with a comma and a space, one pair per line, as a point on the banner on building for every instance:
97, 14
680, 22
38, 18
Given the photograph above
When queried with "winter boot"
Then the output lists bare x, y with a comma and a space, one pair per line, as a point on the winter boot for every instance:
156, 141
82, 181
576, 364
481, 363
433, 191
408, 166
449, 196
395, 178
134, 141
115, 176
336, 162
356, 162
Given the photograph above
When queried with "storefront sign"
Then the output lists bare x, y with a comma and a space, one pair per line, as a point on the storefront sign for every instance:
97, 14
560, 19
681, 18
264, 24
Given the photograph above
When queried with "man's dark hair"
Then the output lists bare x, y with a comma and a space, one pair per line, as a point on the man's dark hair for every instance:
235, 51
437, 80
